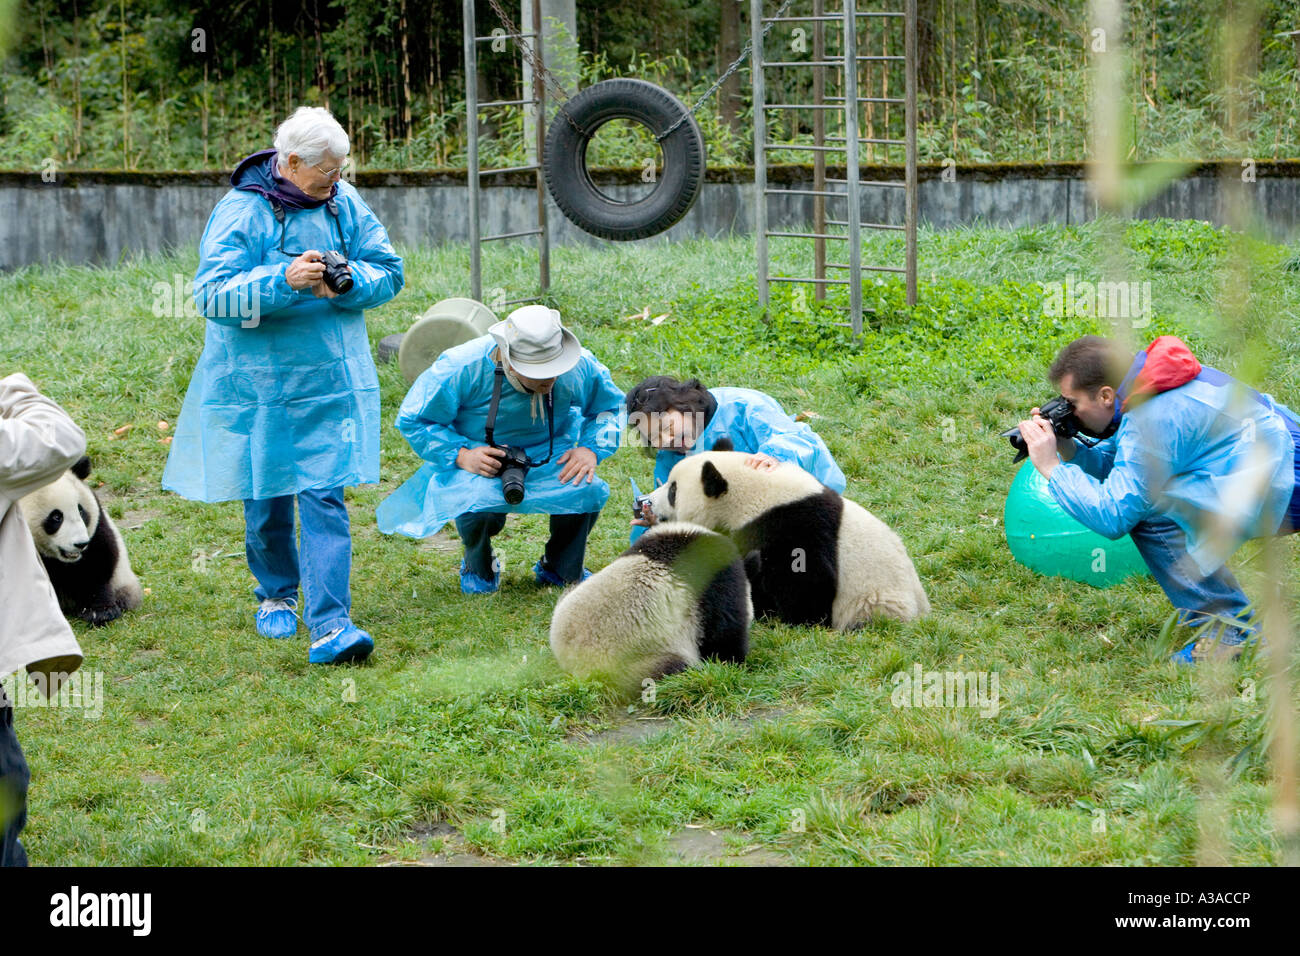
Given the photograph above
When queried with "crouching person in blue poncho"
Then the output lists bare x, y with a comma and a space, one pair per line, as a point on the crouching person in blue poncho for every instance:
1188, 462
528, 385
284, 401
683, 418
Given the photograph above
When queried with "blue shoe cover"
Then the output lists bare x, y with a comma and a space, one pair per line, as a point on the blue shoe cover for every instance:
471, 583
347, 644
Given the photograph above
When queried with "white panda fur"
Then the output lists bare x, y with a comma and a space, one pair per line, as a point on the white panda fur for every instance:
854, 567
677, 595
81, 548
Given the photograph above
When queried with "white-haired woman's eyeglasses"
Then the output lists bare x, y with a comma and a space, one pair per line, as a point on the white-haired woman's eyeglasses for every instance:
329, 173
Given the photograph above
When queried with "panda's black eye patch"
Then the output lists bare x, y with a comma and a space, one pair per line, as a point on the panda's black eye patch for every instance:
53, 521
85, 518
672, 494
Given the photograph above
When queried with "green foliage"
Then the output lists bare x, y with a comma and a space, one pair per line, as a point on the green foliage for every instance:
126, 84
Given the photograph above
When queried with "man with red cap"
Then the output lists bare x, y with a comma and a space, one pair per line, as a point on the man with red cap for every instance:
1187, 461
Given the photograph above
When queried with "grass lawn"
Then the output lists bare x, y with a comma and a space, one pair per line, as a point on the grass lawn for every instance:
461, 736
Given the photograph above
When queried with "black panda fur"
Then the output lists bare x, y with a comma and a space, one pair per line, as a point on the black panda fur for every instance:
697, 556
100, 585
812, 556
801, 535
678, 595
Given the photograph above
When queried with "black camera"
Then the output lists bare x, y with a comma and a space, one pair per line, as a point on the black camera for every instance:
1059, 411
515, 464
338, 274
514, 468
642, 510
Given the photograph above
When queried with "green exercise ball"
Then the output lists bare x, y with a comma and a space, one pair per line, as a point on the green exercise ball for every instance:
1045, 539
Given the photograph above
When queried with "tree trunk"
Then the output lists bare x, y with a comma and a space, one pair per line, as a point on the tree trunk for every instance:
45, 46
322, 84
926, 66
728, 50
76, 81
204, 114
406, 76
347, 65
126, 96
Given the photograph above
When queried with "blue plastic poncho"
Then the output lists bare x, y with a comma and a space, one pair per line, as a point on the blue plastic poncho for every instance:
446, 410
756, 423
1210, 453
284, 397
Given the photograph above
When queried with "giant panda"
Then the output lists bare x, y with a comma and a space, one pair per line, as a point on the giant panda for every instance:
812, 557
81, 549
678, 595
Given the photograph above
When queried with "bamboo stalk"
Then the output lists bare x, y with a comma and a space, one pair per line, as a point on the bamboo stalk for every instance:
126, 100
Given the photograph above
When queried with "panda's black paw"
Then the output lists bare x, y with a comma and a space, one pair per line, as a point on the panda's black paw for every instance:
99, 616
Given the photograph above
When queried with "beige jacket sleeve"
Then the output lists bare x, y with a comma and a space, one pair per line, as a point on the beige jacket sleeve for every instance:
38, 442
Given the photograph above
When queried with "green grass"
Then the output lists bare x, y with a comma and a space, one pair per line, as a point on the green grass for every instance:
220, 747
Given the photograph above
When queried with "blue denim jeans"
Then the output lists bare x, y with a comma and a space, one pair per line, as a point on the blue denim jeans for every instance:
322, 562
564, 553
1196, 597
14, 778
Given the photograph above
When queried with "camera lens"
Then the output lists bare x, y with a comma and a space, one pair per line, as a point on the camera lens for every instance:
338, 277
512, 485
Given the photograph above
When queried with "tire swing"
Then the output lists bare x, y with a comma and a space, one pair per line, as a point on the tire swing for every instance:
678, 136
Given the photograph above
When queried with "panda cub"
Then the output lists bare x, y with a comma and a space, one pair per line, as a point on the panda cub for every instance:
81, 549
812, 556
678, 595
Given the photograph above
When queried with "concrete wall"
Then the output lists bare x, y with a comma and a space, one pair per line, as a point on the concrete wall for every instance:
102, 217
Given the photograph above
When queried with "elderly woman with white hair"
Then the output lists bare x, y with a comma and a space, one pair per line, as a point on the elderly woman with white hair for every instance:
284, 401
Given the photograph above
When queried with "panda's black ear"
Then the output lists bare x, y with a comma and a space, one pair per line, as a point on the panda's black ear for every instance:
82, 468
724, 444
715, 486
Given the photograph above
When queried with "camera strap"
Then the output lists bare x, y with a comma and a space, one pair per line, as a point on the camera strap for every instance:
548, 400
277, 209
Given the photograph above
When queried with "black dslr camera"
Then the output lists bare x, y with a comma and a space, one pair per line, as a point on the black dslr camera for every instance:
1060, 412
338, 274
514, 468
515, 464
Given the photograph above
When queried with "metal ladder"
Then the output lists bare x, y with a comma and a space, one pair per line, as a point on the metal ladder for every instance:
472, 109
846, 107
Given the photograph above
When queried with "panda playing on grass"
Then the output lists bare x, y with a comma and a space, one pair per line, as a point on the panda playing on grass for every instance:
812, 557
81, 549
677, 596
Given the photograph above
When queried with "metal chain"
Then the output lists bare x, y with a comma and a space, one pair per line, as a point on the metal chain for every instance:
529, 52
744, 54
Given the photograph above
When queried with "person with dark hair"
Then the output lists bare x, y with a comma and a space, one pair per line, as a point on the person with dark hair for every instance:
1186, 460
680, 418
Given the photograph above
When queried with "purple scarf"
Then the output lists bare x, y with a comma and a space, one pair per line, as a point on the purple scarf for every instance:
257, 173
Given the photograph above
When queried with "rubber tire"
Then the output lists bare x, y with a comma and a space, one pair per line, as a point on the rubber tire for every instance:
570, 184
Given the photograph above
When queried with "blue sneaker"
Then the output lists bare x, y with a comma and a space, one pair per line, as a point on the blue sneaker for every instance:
1229, 647
471, 583
278, 618
343, 644
546, 578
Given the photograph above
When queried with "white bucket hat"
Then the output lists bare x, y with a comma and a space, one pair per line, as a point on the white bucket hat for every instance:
535, 344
